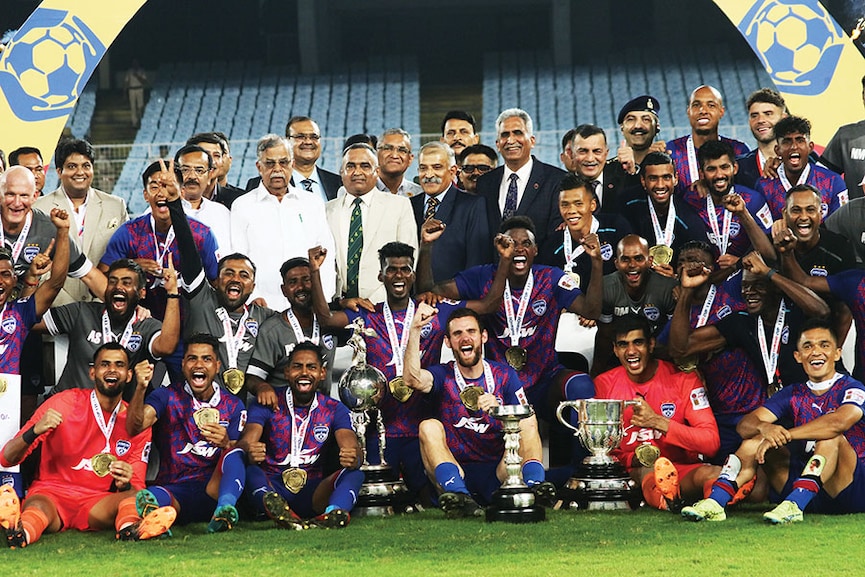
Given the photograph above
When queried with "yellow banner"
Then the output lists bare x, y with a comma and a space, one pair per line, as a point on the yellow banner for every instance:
47, 64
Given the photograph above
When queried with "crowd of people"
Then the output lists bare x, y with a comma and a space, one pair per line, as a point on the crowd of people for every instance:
713, 284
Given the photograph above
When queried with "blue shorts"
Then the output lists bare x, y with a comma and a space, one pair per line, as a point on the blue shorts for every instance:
481, 480
300, 502
195, 505
403, 454
850, 500
730, 439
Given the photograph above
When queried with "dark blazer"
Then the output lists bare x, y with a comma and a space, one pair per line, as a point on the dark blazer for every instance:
330, 182
226, 195
540, 200
619, 187
466, 239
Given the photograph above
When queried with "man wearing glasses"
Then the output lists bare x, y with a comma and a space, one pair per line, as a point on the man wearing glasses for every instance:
198, 174
305, 137
474, 161
394, 158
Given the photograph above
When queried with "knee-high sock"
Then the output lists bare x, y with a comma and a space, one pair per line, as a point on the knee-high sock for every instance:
448, 476
127, 513
345, 490
163, 497
257, 485
533, 472
809, 483
233, 477
34, 522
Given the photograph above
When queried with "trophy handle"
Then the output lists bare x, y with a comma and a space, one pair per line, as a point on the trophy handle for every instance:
564, 405
630, 404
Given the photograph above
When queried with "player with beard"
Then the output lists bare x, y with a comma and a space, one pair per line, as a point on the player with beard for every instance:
462, 445
90, 467
91, 324
825, 472
283, 446
765, 108
280, 332
195, 427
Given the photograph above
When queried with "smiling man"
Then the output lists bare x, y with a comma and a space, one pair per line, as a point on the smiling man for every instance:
394, 158
198, 174
765, 108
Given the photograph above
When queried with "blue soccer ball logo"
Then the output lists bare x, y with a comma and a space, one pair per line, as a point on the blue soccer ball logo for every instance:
797, 42
45, 68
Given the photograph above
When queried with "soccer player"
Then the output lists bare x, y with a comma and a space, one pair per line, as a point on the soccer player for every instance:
826, 469
672, 414
196, 425
462, 445
283, 446
90, 466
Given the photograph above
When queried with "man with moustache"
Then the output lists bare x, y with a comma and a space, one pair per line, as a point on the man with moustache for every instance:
463, 243
197, 171
639, 123
589, 151
216, 145
765, 108
473, 162
30, 157
459, 130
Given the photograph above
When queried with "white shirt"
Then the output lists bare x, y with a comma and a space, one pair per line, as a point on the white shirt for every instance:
217, 217
317, 188
346, 207
270, 232
406, 187
523, 174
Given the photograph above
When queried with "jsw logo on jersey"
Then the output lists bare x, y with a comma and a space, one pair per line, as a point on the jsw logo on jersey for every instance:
307, 457
642, 435
524, 332
475, 424
201, 448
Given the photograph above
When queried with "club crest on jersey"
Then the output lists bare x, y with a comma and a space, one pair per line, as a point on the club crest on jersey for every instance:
668, 409
824, 208
735, 228
606, 251
327, 341
122, 446
723, 311
426, 331
539, 307
252, 327
30, 252
320, 433
134, 342
568, 283
818, 271
785, 335
9, 324
652, 313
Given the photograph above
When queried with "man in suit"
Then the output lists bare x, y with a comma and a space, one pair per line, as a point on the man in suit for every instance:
589, 151
95, 214
216, 145
523, 185
362, 221
463, 244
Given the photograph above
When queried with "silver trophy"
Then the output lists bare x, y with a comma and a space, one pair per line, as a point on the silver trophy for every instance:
361, 387
513, 502
600, 482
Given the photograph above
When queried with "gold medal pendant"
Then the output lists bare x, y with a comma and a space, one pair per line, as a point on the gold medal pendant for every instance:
233, 379
101, 462
516, 357
400, 391
661, 254
470, 395
647, 454
294, 479
206, 416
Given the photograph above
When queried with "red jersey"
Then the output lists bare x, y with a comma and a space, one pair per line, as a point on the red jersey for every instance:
677, 396
67, 449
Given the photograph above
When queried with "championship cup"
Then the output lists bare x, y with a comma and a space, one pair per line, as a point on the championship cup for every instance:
360, 389
513, 502
600, 482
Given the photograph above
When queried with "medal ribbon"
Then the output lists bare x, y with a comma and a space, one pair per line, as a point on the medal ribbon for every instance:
722, 236
664, 235
22, 238
196, 404
100, 419
515, 322
232, 341
489, 385
298, 330
398, 345
298, 432
693, 166
571, 254
108, 334
785, 182
770, 357
761, 162
160, 256
707, 306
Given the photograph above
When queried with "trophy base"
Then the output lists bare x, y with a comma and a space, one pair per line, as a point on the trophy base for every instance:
515, 505
382, 494
599, 487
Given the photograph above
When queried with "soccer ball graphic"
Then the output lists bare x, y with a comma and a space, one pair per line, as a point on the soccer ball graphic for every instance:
797, 42
47, 64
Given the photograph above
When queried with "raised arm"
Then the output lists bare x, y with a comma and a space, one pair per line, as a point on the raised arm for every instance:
806, 299
684, 341
430, 231
48, 291
761, 243
414, 376
327, 317
165, 343
139, 415
491, 301
588, 305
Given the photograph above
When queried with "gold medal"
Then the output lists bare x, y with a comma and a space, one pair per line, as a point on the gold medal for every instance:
647, 454
101, 462
233, 379
516, 357
470, 395
294, 479
661, 254
688, 364
400, 391
206, 416
3, 385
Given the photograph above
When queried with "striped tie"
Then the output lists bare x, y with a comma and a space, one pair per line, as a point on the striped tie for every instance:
431, 205
306, 184
510, 198
355, 247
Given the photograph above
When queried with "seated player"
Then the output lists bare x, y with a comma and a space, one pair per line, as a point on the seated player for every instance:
196, 425
463, 446
90, 467
826, 442
284, 476
672, 415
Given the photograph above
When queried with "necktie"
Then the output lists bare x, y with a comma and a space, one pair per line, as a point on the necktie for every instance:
596, 185
510, 198
355, 247
431, 206
306, 184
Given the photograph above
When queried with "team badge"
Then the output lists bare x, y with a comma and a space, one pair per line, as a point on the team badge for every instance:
252, 327
539, 307
30, 252
856, 396
668, 409
735, 228
7, 480
785, 335
652, 313
9, 325
699, 399
327, 340
824, 208
818, 271
426, 330
723, 311
320, 433
145, 453
606, 251
122, 446
568, 283
134, 342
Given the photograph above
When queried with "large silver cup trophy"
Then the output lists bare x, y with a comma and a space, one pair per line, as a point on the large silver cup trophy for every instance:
599, 482
361, 387
513, 502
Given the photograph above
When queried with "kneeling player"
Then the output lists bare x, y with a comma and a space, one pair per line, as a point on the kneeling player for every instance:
197, 425
90, 467
283, 447
826, 470
463, 448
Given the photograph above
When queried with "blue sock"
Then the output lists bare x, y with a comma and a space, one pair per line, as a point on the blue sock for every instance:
345, 490
448, 476
163, 497
257, 485
805, 488
723, 491
533, 472
233, 476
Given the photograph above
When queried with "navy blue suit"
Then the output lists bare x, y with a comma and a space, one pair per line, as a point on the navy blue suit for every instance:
466, 240
540, 201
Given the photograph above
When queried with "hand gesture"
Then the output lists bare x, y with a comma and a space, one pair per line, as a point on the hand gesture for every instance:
644, 416
348, 457
734, 203
754, 263
592, 244
505, 245
430, 298
422, 315
659, 146
770, 169
169, 275
693, 275
431, 230
664, 270
167, 180
317, 255
357, 303
700, 187
60, 219
783, 238
266, 396
216, 435
625, 155
121, 471
143, 373
727, 261
487, 402
50, 420
41, 263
